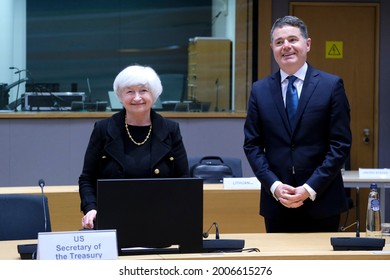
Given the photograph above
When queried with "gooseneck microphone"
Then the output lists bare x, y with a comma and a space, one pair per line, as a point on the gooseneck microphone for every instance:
14, 68
17, 70
357, 222
221, 245
206, 234
41, 183
29, 251
357, 243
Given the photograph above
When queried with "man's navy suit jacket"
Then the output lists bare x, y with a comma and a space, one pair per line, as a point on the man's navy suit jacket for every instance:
312, 151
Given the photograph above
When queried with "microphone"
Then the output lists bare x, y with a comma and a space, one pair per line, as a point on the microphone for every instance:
41, 183
206, 234
214, 19
18, 70
29, 251
221, 245
14, 68
357, 243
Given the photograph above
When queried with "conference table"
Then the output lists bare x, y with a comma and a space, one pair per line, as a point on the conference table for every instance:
270, 246
282, 246
235, 210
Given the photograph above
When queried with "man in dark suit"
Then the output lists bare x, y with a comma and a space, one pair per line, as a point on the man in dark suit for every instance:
298, 155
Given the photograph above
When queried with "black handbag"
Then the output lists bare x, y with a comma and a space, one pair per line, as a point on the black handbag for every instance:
212, 169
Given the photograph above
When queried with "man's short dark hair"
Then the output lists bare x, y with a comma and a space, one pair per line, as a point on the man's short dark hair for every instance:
291, 21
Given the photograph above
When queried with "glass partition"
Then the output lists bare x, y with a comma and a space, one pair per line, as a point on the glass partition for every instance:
79, 47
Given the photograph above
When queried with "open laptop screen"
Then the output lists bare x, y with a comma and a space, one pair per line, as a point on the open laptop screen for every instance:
152, 213
115, 103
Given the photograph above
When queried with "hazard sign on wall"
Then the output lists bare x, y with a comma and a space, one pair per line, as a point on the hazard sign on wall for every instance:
334, 49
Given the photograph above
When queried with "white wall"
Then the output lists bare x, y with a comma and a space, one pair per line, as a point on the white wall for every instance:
53, 149
13, 42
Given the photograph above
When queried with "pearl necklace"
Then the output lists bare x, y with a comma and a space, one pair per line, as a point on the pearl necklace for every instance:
131, 138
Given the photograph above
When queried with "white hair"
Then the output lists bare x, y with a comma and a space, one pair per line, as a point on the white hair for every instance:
138, 75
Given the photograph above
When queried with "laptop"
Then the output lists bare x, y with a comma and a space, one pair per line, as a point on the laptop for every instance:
152, 216
115, 104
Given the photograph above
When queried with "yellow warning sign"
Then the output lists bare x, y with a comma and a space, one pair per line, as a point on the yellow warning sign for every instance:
334, 49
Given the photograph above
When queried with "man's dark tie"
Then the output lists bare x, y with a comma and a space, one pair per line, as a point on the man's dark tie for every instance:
291, 100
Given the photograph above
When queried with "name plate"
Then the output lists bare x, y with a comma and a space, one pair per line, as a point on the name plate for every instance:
241, 183
78, 245
374, 173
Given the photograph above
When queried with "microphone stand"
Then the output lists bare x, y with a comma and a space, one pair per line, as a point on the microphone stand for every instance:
357, 212
221, 245
357, 243
29, 251
58, 102
216, 97
42, 184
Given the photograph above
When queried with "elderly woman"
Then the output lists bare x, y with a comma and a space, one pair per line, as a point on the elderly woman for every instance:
136, 142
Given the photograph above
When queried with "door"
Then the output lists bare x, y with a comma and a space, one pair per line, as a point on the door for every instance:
345, 42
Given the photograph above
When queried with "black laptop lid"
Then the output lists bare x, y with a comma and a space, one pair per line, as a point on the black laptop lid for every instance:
152, 213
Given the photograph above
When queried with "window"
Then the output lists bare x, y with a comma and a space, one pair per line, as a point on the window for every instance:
80, 46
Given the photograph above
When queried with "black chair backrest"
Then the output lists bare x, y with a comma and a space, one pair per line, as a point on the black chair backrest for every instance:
234, 165
22, 216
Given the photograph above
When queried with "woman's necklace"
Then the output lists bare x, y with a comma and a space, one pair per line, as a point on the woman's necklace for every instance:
131, 138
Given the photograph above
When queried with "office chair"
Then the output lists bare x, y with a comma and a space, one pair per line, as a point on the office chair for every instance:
22, 216
234, 163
